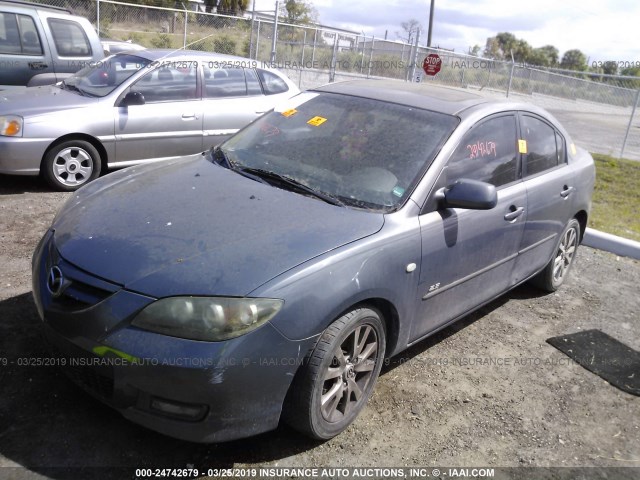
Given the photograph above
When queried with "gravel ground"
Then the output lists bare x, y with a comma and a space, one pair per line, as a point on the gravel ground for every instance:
445, 402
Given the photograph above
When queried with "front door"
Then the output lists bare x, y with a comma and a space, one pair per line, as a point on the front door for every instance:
24, 51
169, 124
468, 255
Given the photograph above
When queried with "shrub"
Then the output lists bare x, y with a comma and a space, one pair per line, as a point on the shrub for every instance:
161, 41
224, 44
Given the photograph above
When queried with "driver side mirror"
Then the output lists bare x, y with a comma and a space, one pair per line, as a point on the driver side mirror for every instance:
132, 98
470, 194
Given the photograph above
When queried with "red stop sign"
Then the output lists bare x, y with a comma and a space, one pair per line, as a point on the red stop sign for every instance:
431, 64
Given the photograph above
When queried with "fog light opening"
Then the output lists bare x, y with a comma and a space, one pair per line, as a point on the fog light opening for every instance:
179, 410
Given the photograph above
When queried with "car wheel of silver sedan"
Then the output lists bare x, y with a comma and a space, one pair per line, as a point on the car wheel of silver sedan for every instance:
70, 165
556, 271
339, 376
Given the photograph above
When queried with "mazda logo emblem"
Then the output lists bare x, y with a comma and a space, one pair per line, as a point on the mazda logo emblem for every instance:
55, 282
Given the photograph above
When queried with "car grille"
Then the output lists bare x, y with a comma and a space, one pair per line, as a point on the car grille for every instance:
81, 289
79, 295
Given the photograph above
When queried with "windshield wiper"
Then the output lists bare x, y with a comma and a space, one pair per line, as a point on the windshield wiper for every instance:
71, 87
290, 182
219, 157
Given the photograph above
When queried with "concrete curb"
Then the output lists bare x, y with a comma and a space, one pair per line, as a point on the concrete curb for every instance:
611, 243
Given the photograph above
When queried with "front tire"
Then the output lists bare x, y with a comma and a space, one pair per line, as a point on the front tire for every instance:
338, 379
557, 270
70, 165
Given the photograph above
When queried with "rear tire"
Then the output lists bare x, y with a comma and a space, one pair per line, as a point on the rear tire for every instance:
336, 382
70, 165
557, 270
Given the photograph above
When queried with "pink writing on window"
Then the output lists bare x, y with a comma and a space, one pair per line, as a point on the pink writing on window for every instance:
482, 149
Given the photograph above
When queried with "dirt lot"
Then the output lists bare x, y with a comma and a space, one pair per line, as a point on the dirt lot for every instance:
435, 405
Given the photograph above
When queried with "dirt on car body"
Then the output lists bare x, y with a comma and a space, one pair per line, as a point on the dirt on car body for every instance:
488, 391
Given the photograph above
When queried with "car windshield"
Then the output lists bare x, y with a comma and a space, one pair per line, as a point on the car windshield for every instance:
101, 78
362, 153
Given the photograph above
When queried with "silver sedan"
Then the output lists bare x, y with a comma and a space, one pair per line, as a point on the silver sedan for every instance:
132, 108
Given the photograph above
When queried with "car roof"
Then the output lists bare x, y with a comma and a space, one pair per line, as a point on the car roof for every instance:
39, 6
420, 95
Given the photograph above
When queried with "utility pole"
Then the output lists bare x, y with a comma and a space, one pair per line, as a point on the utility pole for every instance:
275, 36
430, 24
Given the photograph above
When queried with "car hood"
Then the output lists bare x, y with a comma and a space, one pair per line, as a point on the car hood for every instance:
38, 100
191, 227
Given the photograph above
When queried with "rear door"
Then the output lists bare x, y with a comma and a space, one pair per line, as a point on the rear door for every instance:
468, 255
550, 192
169, 124
232, 98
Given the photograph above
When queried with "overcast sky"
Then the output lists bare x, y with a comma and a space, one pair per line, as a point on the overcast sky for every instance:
603, 30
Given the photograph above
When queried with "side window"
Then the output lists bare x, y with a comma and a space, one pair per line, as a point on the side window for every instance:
69, 38
487, 153
18, 35
253, 84
224, 82
542, 151
9, 35
562, 151
271, 83
168, 84
30, 40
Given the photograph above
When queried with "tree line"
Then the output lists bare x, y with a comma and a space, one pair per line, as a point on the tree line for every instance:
291, 11
504, 44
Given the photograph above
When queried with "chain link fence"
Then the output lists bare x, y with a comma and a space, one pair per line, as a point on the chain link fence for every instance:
599, 111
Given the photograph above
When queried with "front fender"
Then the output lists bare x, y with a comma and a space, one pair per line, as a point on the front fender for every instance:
320, 290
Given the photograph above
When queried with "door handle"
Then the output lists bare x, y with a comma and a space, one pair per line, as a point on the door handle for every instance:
566, 191
37, 65
187, 116
514, 213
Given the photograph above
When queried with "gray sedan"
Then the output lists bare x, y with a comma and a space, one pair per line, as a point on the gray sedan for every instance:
269, 279
132, 108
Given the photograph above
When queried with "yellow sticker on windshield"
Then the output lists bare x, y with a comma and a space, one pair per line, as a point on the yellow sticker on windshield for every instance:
317, 121
522, 146
290, 112
574, 151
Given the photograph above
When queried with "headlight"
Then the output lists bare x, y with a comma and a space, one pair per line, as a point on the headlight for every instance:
207, 318
11, 126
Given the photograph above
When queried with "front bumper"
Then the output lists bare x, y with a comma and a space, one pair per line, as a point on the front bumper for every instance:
196, 391
22, 156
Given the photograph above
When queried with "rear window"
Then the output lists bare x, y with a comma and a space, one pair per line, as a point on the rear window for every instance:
69, 38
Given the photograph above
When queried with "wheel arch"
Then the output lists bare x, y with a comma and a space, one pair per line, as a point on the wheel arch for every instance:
97, 144
582, 219
390, 319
